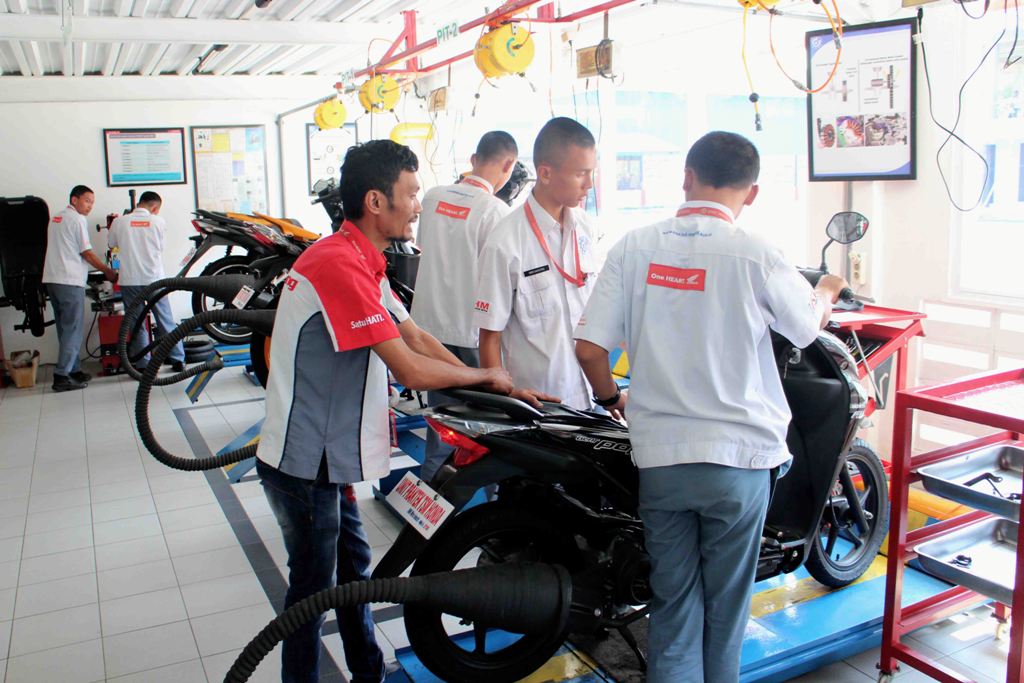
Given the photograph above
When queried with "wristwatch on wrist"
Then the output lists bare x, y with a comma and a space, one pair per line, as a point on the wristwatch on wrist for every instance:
610, 401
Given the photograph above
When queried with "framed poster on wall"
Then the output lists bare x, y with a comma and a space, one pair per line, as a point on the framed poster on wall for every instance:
325, 151
862, 126
144, 156
230, 168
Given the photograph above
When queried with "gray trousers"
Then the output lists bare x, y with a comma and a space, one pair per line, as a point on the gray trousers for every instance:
702, 524
68, 303
437, 451
164, 325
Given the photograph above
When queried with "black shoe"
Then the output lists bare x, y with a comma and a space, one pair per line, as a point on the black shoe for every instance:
65, 383
81, 377
178, 366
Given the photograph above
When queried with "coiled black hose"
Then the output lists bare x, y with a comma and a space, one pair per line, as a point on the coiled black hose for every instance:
221, 287
259, 320
519, 597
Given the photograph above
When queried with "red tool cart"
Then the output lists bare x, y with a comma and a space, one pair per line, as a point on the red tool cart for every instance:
978, 552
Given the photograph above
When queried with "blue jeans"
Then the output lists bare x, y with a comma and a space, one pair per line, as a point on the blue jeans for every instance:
326, 546
164, 325
702, 524
68, 303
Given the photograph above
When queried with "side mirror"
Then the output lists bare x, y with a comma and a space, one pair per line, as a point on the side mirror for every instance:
847, 227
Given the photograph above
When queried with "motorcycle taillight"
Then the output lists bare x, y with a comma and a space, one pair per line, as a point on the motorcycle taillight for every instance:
467, 451
195, 224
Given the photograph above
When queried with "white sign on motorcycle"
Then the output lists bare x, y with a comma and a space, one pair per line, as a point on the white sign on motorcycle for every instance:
419, 505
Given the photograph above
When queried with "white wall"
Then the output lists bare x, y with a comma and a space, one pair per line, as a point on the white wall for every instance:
48, 147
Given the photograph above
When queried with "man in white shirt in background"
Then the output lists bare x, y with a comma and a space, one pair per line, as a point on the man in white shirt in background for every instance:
455, 222
65, 271
536, 270
140, 236
695, 298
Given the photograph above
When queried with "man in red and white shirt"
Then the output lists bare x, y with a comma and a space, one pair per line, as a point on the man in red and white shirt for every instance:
338, 331
695, 297
455, 223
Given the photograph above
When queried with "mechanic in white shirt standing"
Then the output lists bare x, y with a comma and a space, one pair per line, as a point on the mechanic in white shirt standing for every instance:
536, 270
140, 237
454, 225
695, 297
65, 271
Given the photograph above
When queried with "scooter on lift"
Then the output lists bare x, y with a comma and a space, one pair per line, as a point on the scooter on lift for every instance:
567, 495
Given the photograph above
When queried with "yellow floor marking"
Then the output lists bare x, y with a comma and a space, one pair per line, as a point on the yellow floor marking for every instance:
562, 668
803, 590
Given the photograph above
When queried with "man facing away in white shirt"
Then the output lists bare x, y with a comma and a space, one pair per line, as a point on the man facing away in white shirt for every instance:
140, 237
453, 227
536, 270
695, 298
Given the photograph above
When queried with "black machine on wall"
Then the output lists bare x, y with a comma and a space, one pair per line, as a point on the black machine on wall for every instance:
23, 225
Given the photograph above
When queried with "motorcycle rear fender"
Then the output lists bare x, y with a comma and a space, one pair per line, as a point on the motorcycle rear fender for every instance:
457, 486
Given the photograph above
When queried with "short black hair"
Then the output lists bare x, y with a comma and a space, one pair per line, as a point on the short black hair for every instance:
78, 190
556, 135
373, 165
495, 144
723, 159
150, 197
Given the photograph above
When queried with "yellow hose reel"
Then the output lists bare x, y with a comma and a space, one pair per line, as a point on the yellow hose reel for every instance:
379, 93
507, 49
330, 114
404, 132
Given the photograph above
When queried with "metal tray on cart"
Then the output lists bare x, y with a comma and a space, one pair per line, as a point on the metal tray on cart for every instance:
981, 557
1002, 462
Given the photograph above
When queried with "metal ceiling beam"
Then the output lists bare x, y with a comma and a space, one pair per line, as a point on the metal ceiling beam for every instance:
139, 10
80, 8
126, 55
228, 65
155, 57
67, 59
193, 57
124, 8
19, 57
112, 51
168, 30
17, 6
81, 58
35, 58
180, 8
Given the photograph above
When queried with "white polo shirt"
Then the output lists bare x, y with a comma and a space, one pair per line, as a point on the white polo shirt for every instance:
454, 224
67, 236
694, 298
521, 294
140, 237
327, 394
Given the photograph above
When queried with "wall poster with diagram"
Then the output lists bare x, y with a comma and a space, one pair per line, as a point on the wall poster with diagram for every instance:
230, 168
325, 151
862, 125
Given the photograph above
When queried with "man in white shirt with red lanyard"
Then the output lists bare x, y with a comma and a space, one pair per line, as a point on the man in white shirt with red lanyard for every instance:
456, 221
695, 298
536, 270
65, 271
338, 331
140, 237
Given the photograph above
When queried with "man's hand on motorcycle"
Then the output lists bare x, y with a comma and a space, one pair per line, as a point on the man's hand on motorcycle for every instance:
533, 397
497, 381
831, 286
618, 411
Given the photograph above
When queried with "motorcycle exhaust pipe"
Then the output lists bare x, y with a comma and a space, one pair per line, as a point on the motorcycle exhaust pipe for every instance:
519, 597
220, 287
261, 321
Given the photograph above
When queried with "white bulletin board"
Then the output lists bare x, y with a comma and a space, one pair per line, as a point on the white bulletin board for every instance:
230, 168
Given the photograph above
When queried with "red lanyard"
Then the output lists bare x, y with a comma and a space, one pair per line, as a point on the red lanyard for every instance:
709, 211
580, 278
476, 183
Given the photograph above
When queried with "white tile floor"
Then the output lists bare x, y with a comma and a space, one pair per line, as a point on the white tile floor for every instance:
115, 568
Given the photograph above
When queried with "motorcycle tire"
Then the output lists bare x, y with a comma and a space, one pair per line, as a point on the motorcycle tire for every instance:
497, 526
259, 356
198, 350
225, 333
834, 569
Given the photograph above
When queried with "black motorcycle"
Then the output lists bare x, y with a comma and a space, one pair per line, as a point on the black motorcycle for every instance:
568, 495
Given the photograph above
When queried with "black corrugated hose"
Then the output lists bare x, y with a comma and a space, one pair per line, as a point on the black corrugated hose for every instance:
520, 597
259, 320
222, 287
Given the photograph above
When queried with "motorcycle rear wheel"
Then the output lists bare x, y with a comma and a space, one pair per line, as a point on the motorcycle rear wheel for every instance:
225, 333
841, 552
500, 532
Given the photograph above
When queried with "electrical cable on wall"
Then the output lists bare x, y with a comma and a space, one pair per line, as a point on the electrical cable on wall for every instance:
836, 24
951, 133
1010, 59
